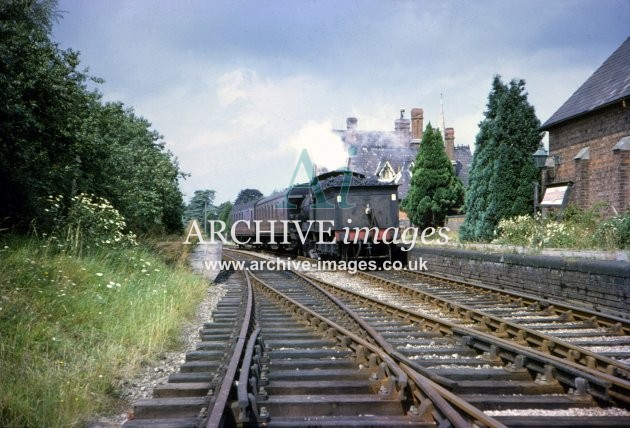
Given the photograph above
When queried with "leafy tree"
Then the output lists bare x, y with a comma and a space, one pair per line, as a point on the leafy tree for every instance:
247, 195
126, 162
434, 187
42, 95
58, 138
225, 210
201, 206
502, 172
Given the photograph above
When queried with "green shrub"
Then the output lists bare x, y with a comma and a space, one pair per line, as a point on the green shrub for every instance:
87, 221
562, 235
578, 229
518, 230
614, 232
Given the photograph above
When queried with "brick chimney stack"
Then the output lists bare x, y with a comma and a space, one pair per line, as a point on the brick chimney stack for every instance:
417, 125
402, 125
450, 142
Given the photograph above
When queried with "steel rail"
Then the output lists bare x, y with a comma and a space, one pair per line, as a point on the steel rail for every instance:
336, 327
553, 306
216, 416
603, 385
243, 400
425, 385
423, 377
519, 333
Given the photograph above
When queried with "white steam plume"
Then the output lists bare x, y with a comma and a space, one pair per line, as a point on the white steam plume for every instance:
324, 147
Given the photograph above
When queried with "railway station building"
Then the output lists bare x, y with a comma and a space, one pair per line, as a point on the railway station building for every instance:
589, 137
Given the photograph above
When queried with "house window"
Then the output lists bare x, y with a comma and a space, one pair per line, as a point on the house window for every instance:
387, 173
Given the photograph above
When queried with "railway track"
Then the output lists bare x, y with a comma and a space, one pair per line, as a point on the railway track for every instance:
480, 369
598, 332
595, 341
308, 353
610, 389
321, 374
200, 389
323, 369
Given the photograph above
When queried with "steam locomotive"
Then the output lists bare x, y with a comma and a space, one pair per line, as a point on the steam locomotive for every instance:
339, 215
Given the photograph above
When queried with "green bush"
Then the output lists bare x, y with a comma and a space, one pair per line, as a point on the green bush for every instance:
87, 221
614, 232
577, 229
516, 231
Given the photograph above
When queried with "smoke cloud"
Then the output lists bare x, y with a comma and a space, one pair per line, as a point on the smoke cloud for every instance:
324, 147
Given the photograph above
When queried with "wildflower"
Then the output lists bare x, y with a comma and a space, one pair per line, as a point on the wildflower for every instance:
99, 274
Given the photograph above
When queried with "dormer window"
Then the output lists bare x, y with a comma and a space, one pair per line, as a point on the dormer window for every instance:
387, 172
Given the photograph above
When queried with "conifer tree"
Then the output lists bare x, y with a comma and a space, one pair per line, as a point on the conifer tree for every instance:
201, 207
502, 171
434, 187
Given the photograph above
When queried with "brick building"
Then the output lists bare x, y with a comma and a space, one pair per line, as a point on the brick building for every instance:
390, 155
589, 137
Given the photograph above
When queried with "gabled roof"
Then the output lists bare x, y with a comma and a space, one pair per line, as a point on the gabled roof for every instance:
609, 83
371, 159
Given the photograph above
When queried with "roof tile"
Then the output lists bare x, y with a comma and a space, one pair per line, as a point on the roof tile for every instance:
609, 83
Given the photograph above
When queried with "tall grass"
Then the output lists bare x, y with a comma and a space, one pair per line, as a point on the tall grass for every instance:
72, 328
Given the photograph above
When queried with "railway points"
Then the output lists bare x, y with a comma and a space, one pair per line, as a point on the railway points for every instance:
317, 353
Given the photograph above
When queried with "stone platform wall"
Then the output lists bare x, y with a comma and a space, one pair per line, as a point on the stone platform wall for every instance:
595, 284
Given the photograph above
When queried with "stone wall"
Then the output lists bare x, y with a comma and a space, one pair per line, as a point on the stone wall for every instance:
594, 284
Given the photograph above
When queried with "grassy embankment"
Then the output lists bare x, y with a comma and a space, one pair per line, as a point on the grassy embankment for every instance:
73, 328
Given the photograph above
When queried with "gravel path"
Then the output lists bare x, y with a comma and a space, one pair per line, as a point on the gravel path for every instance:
142, 385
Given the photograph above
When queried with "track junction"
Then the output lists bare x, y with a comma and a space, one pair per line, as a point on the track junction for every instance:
287, 348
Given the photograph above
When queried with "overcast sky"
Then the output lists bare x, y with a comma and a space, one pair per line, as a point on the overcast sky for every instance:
238, 88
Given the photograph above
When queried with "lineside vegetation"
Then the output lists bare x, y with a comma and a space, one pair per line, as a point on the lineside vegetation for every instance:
74, 328
83, 305
58, 136
577, 229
